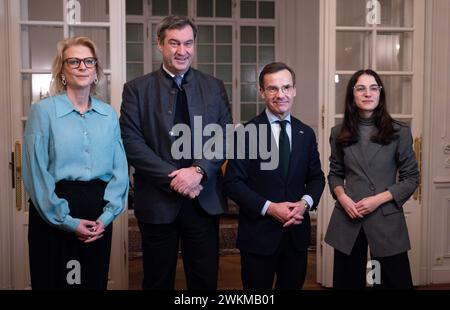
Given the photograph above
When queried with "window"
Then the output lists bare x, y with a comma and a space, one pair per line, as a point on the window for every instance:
235, 40
384, 43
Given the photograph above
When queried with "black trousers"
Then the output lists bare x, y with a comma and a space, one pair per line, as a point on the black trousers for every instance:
288, 264
198, 234
55, 254
349, 271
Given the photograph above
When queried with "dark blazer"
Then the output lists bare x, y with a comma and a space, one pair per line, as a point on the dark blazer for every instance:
147, 117
250, 187
364, 176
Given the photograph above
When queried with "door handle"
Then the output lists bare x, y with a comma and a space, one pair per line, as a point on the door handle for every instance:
17, 170
418, 150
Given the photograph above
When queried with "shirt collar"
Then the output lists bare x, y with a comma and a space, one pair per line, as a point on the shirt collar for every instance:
170, 73
64, 106
273, 118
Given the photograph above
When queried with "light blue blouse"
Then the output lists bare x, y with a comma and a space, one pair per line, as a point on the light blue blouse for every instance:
62, 144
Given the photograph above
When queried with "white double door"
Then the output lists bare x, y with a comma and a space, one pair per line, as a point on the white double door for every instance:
34, 28
387, 36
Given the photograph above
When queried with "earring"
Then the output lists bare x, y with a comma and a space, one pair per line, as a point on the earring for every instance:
63, 80
95, 80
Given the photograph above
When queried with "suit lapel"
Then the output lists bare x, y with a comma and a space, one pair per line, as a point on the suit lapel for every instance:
271, 143
298, 145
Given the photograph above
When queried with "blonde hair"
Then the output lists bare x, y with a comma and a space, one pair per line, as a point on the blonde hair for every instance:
57, 86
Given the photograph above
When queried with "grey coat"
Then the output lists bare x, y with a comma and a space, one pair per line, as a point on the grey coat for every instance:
363, 176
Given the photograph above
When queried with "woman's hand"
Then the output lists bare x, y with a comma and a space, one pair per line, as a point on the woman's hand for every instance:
349, 206
89, 231
369, 204
347, 203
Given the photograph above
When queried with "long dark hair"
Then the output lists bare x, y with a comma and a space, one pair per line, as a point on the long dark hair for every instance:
349, 133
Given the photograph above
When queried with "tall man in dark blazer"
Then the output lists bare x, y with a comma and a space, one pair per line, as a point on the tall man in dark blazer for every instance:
176, 199
274, 223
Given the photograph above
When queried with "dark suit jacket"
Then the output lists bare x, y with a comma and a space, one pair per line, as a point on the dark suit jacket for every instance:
147, 117
250, 187
364, 176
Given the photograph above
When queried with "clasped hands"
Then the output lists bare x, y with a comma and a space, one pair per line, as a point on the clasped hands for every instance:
287, 213
186, 181
361, 208
89, 231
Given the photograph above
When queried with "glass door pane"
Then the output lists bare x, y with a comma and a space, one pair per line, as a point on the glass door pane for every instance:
353, 50
94, 10
42, 10
394, 51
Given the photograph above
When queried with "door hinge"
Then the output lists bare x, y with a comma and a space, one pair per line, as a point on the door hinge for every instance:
321, 243
13, 171
323, 116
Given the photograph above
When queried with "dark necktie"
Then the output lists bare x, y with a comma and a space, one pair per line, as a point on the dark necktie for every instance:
178, 79
284, 148
181, 117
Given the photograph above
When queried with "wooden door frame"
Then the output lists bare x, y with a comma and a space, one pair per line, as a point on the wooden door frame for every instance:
6, 192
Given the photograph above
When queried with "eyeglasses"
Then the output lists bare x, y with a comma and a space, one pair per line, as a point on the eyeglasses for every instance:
74, 63
372, 88
272, 90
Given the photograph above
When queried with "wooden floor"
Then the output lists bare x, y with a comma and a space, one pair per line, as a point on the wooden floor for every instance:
229, 273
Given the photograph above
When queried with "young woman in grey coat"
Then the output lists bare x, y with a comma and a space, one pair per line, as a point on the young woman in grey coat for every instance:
373, 172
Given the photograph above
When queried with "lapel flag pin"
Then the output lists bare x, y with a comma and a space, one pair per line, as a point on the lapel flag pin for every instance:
301, 131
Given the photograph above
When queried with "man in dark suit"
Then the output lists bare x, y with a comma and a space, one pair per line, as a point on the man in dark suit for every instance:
176, 199
274, 223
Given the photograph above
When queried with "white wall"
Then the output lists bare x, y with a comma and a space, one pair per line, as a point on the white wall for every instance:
299, 32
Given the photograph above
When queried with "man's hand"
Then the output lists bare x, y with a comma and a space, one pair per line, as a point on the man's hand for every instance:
296, 215
186, 181
284, 212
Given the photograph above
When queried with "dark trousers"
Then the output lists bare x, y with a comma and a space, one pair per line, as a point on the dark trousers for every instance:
198, 234
349, 271
52, 249
288, 264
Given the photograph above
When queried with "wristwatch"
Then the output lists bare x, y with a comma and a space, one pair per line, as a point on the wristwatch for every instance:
307, 206
200, 170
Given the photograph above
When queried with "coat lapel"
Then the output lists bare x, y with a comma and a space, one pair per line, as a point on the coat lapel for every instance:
360, 158
371, 150
194, 98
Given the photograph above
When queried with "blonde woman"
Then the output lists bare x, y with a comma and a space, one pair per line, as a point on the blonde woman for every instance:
75, 172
